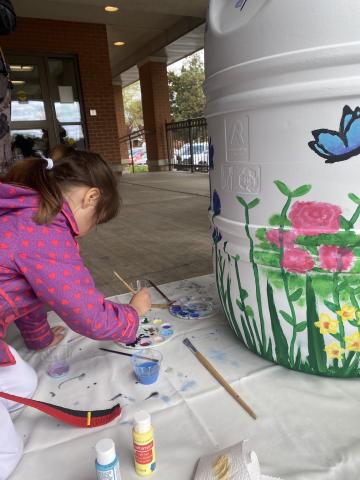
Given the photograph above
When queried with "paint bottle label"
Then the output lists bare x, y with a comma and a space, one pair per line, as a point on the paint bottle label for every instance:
144, 453
108, 472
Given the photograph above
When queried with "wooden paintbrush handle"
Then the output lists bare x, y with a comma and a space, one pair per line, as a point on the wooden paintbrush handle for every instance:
125, 283
224, 383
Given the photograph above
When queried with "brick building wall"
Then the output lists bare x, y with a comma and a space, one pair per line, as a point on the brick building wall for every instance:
156, 110
89, 43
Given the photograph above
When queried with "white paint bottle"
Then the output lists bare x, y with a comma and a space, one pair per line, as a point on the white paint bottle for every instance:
107, 462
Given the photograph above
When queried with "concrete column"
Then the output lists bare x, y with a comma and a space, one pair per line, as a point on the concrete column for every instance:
156, 110
121, 125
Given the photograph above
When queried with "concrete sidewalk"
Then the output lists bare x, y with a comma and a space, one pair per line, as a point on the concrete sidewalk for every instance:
162, 232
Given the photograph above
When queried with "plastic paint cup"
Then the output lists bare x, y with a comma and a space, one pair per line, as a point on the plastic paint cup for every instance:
57, 361
147, 369
137, 285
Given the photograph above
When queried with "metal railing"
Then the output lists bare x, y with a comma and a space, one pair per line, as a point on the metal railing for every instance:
188, 145
137, 154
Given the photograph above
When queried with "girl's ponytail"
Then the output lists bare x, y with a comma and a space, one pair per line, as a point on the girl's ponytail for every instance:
76, 168
34, 173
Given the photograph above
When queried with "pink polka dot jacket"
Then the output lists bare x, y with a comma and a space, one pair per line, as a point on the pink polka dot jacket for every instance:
41, 264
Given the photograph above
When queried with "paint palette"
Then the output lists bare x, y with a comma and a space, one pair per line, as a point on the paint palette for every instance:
191, 308
152, 333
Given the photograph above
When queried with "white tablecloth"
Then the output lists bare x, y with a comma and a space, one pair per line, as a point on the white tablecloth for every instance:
307, 427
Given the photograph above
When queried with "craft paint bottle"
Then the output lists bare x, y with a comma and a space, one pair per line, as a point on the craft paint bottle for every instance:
107, 462
144, 446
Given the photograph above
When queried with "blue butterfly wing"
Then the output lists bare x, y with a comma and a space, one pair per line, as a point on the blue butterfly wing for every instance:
331, 142
319, 150
353, 135
346, 118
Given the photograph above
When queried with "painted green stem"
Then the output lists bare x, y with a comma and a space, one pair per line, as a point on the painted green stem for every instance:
354, 218
257, 281
285, 277
336, 299
244, 306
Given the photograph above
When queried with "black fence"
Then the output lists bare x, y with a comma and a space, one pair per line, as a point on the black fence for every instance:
188, 145
136, 147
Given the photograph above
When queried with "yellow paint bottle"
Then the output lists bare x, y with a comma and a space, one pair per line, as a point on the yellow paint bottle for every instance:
144, 446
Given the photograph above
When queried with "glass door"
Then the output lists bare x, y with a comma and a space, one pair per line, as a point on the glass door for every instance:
30, 110
46, 106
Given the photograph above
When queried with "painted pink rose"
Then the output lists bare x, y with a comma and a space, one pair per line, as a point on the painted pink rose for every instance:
335, 259
314, 218
275, 236
297, 260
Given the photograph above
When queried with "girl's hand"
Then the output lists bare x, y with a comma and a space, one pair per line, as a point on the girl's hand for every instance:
59, 334
141, 301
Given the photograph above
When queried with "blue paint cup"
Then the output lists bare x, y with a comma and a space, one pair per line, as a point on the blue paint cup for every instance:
146, 364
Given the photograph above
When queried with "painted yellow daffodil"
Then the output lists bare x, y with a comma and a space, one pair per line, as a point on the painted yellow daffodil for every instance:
346, 313
326, 324
353, 342
334, 350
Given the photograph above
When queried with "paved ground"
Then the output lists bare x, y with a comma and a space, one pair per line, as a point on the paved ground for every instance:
161, 232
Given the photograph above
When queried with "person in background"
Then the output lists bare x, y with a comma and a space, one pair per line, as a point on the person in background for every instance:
44, 207
23, 147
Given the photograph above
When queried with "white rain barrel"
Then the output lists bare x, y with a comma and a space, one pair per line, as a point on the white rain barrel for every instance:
283, 97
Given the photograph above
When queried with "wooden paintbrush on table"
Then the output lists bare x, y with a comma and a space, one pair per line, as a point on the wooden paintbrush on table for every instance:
205, 362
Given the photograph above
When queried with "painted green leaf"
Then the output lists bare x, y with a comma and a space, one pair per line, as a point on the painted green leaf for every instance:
248, 340
331, 306
294, 297
269, 351
316, 344
279, 220
249, 311
343, 285
298, 360
354, 323
242, 201
243, 293
288, 318
281, 345
354, 198
231, 310
239, 304
342, 239
303, 190
261, 234
300, 327
282, 187
254, 203
344, 224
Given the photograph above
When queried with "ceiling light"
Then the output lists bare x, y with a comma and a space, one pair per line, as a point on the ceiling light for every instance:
111, 8
18, 82
119, 44
21, 68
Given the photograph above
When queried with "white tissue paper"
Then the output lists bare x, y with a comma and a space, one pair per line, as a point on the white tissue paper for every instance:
232, 463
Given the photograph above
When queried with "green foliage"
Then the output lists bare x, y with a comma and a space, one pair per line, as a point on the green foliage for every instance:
133, 107
187, 99
354, 198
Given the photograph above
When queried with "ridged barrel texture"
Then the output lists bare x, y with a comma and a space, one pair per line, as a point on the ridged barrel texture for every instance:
283, 96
